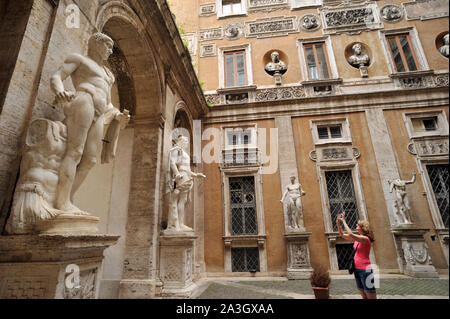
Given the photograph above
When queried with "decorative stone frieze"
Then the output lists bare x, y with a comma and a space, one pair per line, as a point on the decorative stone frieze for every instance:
276, 94
211, 34
207, 50
350, 17
309, 22
266, 5
419, 79
190, 40
428, 147
336, 153
271, 27
207, 9
391, 13
426, 9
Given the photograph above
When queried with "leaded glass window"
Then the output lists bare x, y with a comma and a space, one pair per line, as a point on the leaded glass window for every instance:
245, 259
243, 206
438, 175
341, 197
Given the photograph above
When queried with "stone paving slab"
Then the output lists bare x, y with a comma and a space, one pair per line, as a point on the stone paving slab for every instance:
394, 287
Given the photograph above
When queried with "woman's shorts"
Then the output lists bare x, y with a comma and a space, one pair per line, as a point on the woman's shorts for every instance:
365, 280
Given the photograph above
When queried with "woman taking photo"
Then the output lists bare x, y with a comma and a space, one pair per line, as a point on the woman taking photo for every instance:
362, 244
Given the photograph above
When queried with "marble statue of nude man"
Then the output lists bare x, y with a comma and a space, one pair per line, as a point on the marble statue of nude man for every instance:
180, 184
401, 203
295, 191
86, 112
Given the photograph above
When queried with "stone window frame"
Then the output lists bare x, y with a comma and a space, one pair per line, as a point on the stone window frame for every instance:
328, 51
345, 130
415, 44
334, 238
220, 14
231, 241
248, 64
295, 6
442, 124
254, 136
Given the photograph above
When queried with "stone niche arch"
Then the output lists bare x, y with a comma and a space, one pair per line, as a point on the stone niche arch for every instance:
129, 266
131, 41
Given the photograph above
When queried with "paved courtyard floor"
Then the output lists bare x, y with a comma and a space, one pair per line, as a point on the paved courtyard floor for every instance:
342, 287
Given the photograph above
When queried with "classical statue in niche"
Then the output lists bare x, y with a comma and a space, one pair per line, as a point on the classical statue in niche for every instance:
358, 59
59, 155
276, 67
180, 184
293, 205
402, 209
444, 48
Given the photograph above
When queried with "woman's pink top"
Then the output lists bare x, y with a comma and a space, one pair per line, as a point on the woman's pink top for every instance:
362, 260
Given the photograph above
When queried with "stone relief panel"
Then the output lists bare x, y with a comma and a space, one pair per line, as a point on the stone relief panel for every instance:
391, 13
266, 5
428, 147
211, 34
310, 22
87, 287
271, 27
351, 17
416, 253
234, 31
190, 40
414, 82
188, 265
300, 255
171, 270
208, 50
325, 154
207, 9
426, 9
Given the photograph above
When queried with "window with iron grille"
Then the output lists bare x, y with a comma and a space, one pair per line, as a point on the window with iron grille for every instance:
243, 206
341, 197
245, 259
438, 175
344, 254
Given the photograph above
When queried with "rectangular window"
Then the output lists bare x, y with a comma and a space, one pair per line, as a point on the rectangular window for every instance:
425, 124
341, 197
327, 132
245, 259
438, 175
243, 206
239, 137
402, 53
235, 68
230, 7
317, 61
344, 254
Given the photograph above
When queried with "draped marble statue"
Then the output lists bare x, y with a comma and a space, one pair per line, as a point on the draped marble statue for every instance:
59, 155
181, 181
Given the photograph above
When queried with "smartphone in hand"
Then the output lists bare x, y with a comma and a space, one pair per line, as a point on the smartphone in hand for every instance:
339, 216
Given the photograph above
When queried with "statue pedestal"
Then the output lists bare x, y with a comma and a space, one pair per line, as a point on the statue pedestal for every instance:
176, 264
73, 223
52, 266
299, 266
413, 252
363, 72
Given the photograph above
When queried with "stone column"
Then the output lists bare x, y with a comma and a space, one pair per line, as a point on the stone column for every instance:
299, 265
405, 236
140, 264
